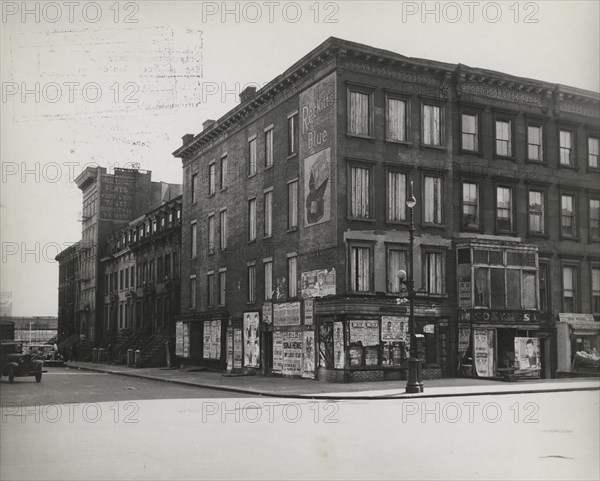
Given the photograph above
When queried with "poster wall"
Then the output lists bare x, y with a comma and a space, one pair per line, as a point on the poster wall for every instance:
338, 345
484, 352
212, 340
364, 332
237, 349
309, 310
277, 351
527, 352
308, 356
251, 340
182, 340
286, 314
229, 344
394, 328
292, 353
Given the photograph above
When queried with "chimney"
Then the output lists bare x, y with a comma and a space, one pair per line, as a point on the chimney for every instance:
206, 124
187, 138
247, 93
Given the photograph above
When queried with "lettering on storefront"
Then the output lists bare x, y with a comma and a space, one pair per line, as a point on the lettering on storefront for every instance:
486, 315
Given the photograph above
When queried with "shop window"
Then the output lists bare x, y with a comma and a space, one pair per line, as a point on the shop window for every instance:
497, 288
596, 290
529, 290
396, 119
482, 289
426, 342
569, 289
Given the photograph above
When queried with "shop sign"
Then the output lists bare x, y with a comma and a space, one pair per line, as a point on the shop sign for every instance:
251, 340
490, 315
267, 311
318, 283
429, 329
427, 311
308, 355
309, 309
394, 328
286, 314
365, 332
579, 321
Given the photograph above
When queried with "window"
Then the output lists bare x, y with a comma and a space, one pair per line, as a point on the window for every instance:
536, 211
194, 238
396, 262
212, 179
192, 292
210, 289
131, 277
269, 147
292, 277
268, 271
222, 284
396, 119
534, 142
192, 189
469, 132
252, 156
544, 287
503, 138
432, 211
292, 204
360, 269
223, 227
396, 196
167, 266
567, 215
569, 288
504, 211
595, 219
470, 205
252, 283
566, 147
268, 198
359, 113
596, 290
360, 192
211, 234
223, 180
292, 134
154, 226
432, 125
434, 272
593, 152
252, 220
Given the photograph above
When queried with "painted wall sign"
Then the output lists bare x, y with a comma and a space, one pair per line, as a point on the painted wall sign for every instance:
286, 314
318, 283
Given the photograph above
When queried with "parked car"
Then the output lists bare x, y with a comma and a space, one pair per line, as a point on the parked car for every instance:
15, 363
47, 353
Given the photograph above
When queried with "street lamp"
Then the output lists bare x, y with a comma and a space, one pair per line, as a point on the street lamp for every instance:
414, 384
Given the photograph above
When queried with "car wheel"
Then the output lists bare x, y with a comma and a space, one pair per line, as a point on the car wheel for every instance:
11, 375
38, 377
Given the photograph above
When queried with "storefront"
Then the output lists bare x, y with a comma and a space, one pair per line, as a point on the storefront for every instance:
201, 341
578, 343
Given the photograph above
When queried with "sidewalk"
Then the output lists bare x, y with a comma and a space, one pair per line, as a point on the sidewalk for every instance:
277, 386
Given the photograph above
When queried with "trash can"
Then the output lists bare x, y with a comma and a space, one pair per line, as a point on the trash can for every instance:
130, 359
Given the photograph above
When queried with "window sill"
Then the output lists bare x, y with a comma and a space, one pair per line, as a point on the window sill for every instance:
435, 226
291, 156
434, 147
477, 230
270, 236
540, 235
399, 142
292, 229
567, 166
537, 162
505, 232
510, 158
267, 167
252, 175
360, 219
252, 241
593, 169
397, 222
474, 153
595, 240
359, 136
223, 189
570, 238
211, 195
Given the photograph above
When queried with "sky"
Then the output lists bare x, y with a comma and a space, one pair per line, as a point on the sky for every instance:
117, 84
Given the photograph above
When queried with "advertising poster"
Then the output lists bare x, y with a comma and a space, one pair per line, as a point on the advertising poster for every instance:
364, 332
308, 358
292, 353
237, 348
309, 309
338, 345
277, 351
286, 314
464, 285
229, 343
182, 340
484, 352
317, 136
464, 337
267, 312
527, 351
212, 340
251, 340
394, 328
318, 283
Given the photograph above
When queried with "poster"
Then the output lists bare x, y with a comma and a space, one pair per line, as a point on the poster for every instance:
527, 352
309, 309
364, 332
267, 310
394, 328
286, 314
278, 351
464, 337
308, 356
182, 340
318, 283
292, 353
338, 345
229, 343
212, 340
464, 285
484, 352
251, 340
237, 349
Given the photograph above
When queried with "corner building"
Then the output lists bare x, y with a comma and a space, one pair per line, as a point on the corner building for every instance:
295, 225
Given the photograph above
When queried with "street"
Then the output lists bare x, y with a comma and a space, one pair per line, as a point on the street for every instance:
78, 425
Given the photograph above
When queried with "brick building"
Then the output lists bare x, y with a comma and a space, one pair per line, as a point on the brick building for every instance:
110, 202
295, 225
68, 296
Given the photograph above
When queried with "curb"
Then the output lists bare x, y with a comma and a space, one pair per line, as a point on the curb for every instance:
388, 397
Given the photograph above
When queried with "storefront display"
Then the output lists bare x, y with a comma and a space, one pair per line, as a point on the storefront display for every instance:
578, 339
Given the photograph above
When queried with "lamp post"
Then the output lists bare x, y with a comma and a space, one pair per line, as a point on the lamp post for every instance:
414, 384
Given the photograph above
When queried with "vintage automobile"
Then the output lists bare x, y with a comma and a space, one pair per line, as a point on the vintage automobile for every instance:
47, 353
13, 363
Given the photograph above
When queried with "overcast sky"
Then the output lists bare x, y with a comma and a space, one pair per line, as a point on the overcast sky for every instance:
115, 84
